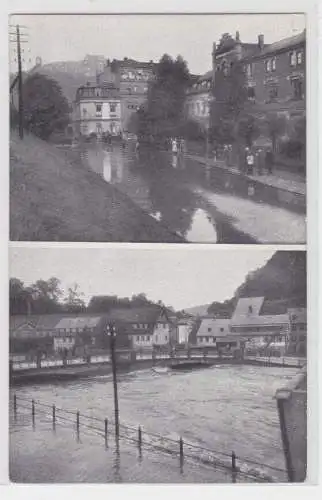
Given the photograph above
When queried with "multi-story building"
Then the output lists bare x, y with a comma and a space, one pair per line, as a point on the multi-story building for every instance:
132, 79
198, 98
259, 330
97, 110
298, 333
215, 332
274, 75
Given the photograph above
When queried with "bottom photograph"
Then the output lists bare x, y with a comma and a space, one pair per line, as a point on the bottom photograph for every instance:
163, 365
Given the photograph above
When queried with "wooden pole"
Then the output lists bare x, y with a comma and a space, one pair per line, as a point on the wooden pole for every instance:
140, 438
20, 109
116, 403
77, 423
181, 448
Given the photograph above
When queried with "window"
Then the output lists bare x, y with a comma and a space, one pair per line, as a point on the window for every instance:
98, 109
165, 337
84, 112
293, 58
297, 89
138, 337
112, 107
274, 64
142, 337
273, 93
98, 92
299, 57
221, 329
148, 338
250, 309
249, 70
268, 65
251, 93
209, 329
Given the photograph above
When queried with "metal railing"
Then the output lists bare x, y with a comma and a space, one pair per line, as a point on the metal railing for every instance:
238, 467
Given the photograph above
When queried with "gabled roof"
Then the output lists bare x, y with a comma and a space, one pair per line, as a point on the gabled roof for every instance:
218, 326
247, 306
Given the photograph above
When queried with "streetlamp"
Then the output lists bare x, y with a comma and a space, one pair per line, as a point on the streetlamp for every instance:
111, 333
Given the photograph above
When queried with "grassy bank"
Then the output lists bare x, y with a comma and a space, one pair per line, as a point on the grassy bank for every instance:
55, 199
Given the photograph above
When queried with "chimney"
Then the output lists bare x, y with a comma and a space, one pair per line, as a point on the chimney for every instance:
261, 42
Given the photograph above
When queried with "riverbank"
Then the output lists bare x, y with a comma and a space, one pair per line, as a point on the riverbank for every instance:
55, 199
287, 193
72, 372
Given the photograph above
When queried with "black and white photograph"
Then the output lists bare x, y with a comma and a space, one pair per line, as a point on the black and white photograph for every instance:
166, 365
119, 135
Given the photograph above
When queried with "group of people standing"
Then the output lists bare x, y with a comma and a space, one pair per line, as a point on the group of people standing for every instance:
178, 145
256, 161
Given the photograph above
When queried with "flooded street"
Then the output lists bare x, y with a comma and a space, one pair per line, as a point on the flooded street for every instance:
222, 408
183, 195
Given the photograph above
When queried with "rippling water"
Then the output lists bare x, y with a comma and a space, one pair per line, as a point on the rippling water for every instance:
222, 408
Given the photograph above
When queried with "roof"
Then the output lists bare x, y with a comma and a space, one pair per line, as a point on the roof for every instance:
78, 322
135, 315
298, 314
243, 305
285, 43
218, 326
256, 320
133, 63
206, 76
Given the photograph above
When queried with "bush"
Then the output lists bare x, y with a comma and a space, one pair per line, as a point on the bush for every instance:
293, 148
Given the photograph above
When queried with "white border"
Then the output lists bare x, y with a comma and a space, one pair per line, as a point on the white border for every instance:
174, 6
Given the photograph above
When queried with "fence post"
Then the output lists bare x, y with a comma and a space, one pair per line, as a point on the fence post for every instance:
77, 423
15, 405
233, 466
33, 412
54, 417
105, 430
181, 448
140, 438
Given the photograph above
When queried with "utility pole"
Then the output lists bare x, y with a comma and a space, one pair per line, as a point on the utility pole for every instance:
20, 84
111, 330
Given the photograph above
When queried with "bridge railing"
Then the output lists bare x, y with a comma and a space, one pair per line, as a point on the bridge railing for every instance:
239, 468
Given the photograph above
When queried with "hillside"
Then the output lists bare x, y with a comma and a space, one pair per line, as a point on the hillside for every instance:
282, 281
198, 310
53, 197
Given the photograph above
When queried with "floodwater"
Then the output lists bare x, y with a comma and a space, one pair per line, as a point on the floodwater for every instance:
181, 194
226, 408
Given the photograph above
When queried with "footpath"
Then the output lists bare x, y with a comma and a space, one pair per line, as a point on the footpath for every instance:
279, 179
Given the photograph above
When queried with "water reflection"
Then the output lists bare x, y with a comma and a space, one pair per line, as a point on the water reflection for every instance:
160, 183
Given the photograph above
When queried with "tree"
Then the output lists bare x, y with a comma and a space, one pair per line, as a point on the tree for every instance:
46, 110
163, 112
74, 302
230, 95
46, 295
248, 129
276, 126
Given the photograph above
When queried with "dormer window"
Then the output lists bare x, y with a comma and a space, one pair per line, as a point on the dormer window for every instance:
250, 309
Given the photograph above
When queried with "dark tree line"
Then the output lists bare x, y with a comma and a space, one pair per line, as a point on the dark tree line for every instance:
47, 297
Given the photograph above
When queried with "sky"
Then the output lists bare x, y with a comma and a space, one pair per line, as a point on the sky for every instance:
145, 37
179, 276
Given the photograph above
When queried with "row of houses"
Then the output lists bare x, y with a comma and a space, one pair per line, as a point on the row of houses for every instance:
252, 328
155, 327
274, 78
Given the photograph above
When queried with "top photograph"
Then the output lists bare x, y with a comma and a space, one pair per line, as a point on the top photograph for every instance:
158, 128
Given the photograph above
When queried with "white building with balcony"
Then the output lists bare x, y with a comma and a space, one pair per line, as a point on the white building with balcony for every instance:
97, 110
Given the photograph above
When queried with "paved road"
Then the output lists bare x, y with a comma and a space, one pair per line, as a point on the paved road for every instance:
182, 194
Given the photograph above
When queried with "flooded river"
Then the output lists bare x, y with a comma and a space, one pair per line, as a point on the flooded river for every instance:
193, 201
221, 408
